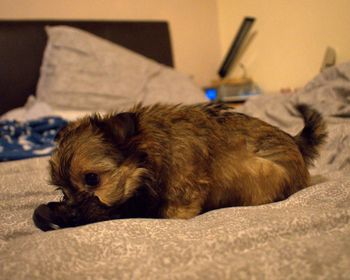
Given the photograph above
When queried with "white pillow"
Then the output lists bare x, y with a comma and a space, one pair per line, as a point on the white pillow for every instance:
82, 71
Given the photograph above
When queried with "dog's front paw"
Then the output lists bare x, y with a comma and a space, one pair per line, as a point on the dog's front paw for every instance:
43, 218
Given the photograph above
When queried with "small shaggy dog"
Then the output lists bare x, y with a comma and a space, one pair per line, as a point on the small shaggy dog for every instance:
165, 161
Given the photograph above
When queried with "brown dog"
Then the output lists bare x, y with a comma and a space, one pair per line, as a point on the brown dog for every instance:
178, 161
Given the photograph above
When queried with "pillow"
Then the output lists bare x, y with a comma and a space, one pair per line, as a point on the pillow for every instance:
81, 71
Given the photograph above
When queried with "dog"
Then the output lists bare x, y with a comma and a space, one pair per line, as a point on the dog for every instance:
175, 161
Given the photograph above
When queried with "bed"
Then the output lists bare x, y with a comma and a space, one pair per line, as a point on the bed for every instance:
70, 72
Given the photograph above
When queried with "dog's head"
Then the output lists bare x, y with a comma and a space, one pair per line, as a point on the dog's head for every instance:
96, 164
96, 155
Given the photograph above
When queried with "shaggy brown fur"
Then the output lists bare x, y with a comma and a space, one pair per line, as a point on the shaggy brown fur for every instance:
179, 161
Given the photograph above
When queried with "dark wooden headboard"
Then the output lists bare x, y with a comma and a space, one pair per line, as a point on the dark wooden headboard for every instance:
22, 44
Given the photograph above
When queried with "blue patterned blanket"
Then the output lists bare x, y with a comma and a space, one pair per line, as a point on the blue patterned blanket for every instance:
20, 140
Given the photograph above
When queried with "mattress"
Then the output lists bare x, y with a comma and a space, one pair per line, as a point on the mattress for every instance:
306, 236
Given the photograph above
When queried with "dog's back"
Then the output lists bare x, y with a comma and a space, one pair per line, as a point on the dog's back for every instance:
208, 156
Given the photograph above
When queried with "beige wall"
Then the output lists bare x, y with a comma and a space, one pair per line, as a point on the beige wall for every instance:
287, 50
193, 23
291, 37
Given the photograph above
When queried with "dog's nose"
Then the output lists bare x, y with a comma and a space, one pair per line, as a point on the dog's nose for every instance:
43, 218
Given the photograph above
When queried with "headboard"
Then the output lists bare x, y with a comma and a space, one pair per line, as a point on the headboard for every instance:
22, 44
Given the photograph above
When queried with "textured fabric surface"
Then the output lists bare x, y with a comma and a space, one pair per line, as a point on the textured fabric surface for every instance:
306, 236
83, 71
34, 109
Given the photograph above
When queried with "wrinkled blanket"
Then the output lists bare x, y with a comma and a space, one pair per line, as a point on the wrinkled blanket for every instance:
35, 138
306, 236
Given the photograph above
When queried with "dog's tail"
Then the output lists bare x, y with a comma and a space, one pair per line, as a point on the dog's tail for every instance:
312, 135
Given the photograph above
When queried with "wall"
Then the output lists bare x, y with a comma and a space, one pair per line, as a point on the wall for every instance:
291, 37
193, 24
287, 51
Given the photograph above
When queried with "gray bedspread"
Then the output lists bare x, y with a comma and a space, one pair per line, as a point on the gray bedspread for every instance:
306, 236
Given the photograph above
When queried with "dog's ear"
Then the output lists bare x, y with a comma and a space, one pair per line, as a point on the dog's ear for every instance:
120, 127
60, 133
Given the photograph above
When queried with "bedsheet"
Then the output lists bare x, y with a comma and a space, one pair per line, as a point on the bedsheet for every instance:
306, 236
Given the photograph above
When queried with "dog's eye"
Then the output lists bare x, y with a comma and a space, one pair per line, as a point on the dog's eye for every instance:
91, 179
